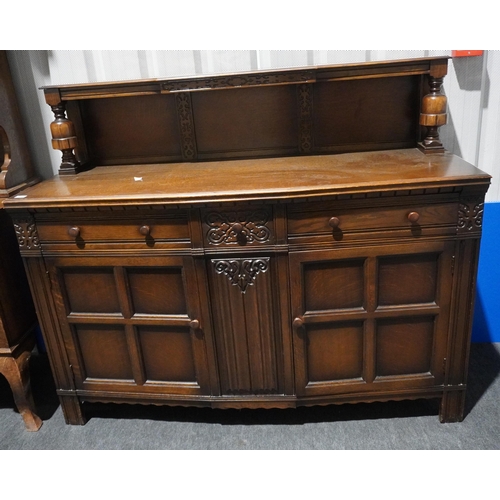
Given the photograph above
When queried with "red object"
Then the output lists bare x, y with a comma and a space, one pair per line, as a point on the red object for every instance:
466, 53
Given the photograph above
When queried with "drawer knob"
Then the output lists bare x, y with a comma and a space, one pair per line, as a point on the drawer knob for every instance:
241, 237
145, 230
194, 324
413, 217
74, 231
334, 222
298, 322
238, 228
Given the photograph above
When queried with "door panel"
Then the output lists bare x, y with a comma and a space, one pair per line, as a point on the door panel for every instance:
246, 325
167, 353
337, 356
90, 290
404, 345
157, 290
396, 273
333, 285
103, 350
370, 317
130, 327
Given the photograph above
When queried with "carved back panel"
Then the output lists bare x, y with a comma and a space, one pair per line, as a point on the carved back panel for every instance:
290, 112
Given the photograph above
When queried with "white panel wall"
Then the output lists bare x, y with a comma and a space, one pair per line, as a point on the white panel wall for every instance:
489, 143
30, 70
472, 87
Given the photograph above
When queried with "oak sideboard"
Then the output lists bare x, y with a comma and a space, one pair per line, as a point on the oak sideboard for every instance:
257, 240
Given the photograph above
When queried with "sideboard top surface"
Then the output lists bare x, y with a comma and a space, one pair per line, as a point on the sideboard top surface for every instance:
256, 179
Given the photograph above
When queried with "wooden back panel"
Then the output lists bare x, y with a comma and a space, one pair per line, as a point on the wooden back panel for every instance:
323, 110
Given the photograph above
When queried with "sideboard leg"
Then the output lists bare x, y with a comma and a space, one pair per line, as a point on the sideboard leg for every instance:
72, 410
452, 407
16, 371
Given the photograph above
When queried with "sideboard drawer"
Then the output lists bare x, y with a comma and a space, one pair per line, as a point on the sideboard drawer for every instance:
109, 230
345, 220
243, 226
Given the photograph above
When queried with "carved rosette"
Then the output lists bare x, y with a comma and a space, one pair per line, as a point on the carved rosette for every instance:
235, 227
241, 272
470, 216
185, 115
27, 235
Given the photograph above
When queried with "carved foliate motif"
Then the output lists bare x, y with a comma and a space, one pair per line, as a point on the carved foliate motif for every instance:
235, 227
27, 234
185, 114
470, 215
305, 101
241, 272
237, 81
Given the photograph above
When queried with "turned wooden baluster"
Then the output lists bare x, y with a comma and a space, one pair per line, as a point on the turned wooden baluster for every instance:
433, 113
5, 158
63, 134
64, 138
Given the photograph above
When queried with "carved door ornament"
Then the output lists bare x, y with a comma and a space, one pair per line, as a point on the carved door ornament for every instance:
241, 272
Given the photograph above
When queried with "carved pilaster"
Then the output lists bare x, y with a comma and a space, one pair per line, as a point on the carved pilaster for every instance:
241, 272
305, 105
433, 115
460, 328
186, 124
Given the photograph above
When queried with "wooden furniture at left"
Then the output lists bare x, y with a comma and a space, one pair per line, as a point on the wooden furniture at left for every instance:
17, 312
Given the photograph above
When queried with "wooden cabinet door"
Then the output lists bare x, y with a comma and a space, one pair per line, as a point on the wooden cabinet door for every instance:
246, 323
132, 324
371, 319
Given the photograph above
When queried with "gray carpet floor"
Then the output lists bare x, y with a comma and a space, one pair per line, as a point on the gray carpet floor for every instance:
404, 425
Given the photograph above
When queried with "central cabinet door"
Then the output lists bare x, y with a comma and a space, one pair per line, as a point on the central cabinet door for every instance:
373, 318
132, 324
246, 320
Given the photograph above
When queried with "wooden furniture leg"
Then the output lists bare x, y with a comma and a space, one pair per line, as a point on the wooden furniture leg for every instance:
72, 410
16, 371
452, 407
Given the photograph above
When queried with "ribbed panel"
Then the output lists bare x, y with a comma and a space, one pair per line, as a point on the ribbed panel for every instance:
245, 333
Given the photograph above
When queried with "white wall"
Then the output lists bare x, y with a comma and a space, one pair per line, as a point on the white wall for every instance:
488, 155
472, 87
